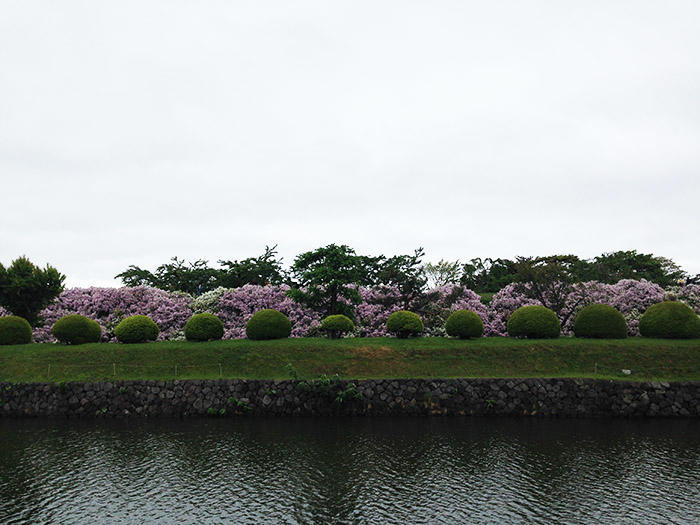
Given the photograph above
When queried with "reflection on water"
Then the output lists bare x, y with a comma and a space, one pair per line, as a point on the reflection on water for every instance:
349, 470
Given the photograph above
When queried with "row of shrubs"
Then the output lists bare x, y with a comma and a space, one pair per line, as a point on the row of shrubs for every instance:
669, 319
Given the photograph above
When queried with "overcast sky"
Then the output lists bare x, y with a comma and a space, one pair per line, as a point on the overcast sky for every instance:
131, 132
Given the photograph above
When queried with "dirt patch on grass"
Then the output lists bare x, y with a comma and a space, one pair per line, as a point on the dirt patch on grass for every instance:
373, 352
375, 361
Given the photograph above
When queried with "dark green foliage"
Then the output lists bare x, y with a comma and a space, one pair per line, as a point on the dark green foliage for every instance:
14, 330
488, 275
534, 322
26, 289
464, 324
336, 325
204, 327
406, 273
197, 277
74, 329
551, 281
670, 320
262, 270
611, 267
600, 321
268, 324
404, 324
329, 274
136, 329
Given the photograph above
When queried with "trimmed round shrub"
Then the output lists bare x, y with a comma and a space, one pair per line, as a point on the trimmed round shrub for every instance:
136, 329
15, 330
74, 329
464, 324
204, 327
534, 322
600, 321
670, 320
404, 324
268, 324
336, 325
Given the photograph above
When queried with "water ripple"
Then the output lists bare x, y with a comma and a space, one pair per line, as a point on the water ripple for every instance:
350, 470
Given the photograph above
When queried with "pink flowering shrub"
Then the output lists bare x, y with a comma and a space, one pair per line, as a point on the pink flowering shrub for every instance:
4, 312
689, 294
378, 303
503, 304
630, 296
237, 305
108, 306
440, 302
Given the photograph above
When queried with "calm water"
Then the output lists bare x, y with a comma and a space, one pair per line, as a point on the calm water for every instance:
350, 471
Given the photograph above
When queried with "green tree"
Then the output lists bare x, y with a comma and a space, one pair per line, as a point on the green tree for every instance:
326, 279
550, 280
178, 275
197, 277
611, 267
262, 270
488, 275
26, 289
442, 272
406, 273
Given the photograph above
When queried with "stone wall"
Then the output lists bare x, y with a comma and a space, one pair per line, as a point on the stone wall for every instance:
225, 398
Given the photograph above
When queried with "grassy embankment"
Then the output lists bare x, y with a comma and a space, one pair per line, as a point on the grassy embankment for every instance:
648, 359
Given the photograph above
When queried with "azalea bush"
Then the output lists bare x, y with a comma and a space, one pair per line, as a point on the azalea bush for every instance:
629, 296
236, 306
108, 306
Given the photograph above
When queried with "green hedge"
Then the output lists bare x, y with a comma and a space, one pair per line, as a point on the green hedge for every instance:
404, 324
670, 320
534, 322
464, 324
268, 324
204, 327
15, 330
600, 321
336, 325
74, 329
136, 329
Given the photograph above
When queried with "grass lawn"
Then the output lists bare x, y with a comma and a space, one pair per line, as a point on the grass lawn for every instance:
648, 359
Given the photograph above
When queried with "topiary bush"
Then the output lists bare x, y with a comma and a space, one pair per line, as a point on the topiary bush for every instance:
464, 324
670, 320
136, 329
336, 325
75, 329
600, 321
404, 324
534, 322
204, 327
15, 330
268, 324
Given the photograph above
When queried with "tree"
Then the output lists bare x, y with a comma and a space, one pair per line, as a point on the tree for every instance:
197, 277
178, 275
406, 273
326, 279
26, 289
262, 270
550, 280
442, 272
611, 267
488, 275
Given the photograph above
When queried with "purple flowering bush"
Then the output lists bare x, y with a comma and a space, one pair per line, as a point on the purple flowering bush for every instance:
236, 306
108, 306
630, 296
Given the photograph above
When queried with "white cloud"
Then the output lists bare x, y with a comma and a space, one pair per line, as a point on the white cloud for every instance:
132, 131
